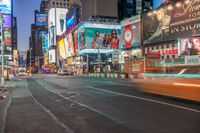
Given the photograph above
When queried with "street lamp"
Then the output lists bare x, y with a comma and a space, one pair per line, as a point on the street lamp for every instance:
2, 51
30, 62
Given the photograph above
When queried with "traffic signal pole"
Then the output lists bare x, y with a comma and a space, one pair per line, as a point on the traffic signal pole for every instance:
2, 51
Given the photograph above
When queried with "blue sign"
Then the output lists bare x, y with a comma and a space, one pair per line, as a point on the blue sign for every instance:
157, 3
44, 36
71, 20
41, 19
5, 7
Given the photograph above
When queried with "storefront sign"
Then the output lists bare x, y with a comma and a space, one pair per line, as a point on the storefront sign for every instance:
192, 60
171, 22
153, 56
162, 52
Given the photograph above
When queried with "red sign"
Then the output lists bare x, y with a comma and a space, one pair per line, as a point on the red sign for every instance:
172, 51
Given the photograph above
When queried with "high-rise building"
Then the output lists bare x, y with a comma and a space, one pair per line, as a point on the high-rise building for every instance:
90, 8
14, 32
59, 4
44, 6
128, 8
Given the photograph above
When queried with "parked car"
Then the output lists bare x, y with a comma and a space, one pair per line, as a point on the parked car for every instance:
22, 72
63, 72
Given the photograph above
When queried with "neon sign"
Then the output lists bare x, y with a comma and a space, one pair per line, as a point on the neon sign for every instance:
172, 51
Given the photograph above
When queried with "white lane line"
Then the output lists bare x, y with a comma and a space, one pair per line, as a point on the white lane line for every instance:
88, 107
2, 130
60, 123
145, 99
184, 84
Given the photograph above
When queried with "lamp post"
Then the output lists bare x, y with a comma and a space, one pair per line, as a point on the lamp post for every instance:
2, 51
30, 62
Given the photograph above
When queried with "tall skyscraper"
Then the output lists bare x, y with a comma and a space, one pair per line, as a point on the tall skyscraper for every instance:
128, 8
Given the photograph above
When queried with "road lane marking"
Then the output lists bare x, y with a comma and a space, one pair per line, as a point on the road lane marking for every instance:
88, 107
2, 130
60, 123
184, 84
145, 99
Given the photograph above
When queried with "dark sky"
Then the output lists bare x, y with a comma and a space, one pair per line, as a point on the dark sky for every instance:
24, 11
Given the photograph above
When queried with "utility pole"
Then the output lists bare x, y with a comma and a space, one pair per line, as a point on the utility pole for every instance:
2, 51
30, 63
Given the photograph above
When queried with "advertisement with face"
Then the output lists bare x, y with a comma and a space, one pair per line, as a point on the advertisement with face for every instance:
69, 45
52, 56
44, 36
41, 19
172, 21
6, 21
61, 47
189, 44
75, 39
51, 27
61, 20
131, 34
5, 6
92, 37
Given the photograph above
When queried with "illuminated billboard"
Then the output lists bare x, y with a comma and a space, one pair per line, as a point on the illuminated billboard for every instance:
94, 38
69, 45
5, 6
41, 19
52, 56
61, 48
72, 18
172, 21
61, 20
44, 37
157, 3
7, 36
189, 45
6, 21
56, 23
131, 34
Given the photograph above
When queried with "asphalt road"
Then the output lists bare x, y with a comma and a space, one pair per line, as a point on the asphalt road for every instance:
49, 104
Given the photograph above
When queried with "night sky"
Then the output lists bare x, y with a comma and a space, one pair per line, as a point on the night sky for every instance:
24, 11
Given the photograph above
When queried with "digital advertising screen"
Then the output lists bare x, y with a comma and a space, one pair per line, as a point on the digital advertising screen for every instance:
7, 36
94, 38
41, 19
75, 39
61, 20
7, 21
171, 22
189, 44
71, 19
52, 56
157, 3
131, 34
62, 50
69, 45
44, 36
5, 6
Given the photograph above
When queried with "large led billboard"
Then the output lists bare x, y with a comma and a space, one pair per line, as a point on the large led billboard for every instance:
157, 3
61, 48
6, 21
61, 20
188, 45
94, 38
131, 34
41, 19
5, 6
44, 39
172, 21
72, 19
52, 56
69, 45
56, 23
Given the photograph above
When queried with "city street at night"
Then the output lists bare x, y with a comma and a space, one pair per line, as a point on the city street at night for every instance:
99, 66
51, 103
